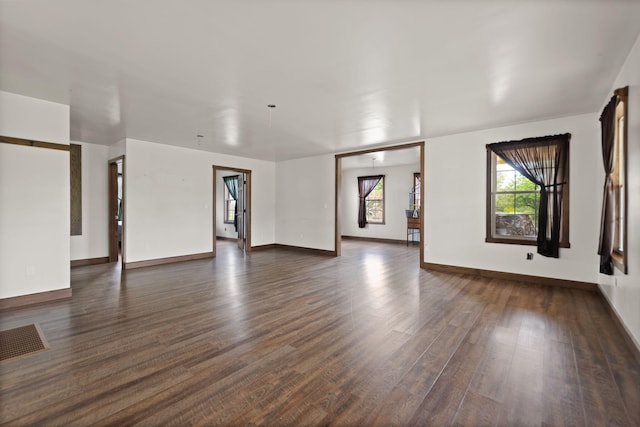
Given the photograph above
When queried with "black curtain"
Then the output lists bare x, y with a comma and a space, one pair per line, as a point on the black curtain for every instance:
232, 185
365, 185
545, 162
605, 246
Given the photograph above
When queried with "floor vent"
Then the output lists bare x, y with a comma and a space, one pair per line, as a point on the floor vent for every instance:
21, 341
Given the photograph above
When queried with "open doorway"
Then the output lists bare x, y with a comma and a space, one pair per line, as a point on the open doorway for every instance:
232, 207
407, 211
116, 210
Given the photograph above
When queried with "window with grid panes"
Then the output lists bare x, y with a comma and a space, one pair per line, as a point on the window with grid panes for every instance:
374, 204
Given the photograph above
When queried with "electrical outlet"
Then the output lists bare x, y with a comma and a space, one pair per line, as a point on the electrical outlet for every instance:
529, 256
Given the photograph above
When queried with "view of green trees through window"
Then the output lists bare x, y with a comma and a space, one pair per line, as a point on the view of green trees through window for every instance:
229, 207
516, 202
375, 203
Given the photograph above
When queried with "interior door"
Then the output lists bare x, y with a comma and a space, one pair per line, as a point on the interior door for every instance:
240, 210
113, 211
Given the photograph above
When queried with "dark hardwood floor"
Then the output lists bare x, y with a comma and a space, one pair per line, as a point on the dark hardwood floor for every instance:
286, 338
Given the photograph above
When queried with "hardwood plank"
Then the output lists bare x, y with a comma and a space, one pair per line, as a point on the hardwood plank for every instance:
282, 337
490, 379
396, 408
523, 400
562, 404
602, 401
440, 406
476, 410
420, 378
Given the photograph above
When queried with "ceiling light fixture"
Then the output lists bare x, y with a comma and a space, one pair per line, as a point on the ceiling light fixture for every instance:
271, 107
199, 138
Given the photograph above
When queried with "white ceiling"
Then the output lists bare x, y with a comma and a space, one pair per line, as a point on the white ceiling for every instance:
345, 75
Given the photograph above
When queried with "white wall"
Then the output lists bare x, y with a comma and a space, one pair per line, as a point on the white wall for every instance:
456, 202
34, 198
223, 229
168, 200
305, 206
398, 183
31, 118
118, 149
623, 291
94, 241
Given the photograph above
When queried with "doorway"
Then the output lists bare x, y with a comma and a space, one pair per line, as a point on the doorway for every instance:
116, 210
339, 196
238, 225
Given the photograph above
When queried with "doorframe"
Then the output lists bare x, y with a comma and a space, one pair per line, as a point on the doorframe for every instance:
112, 195
338, 192
247, 206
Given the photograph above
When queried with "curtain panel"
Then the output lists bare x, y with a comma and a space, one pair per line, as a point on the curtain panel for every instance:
366, 184
605, 246
545, 162
232, 185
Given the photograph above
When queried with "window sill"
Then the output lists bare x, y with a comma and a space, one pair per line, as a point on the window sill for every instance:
511, 241
618, 260
516, 241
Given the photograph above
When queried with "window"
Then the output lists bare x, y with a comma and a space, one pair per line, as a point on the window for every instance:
416, 190
374, 201
619, 178
370, 200
516, 205
375, 204
612, 247
229, 207
515, 201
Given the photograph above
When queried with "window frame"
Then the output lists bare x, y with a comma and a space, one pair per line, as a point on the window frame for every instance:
227, 199
417, 183
620, 181
383, 200
491, 237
